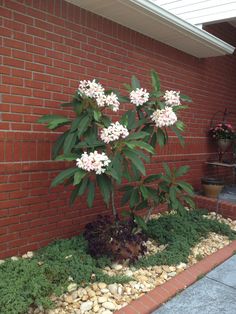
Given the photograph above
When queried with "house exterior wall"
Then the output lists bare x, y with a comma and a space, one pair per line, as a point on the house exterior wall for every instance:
47, 46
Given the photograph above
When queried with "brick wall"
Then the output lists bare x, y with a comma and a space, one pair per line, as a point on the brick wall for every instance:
46, 47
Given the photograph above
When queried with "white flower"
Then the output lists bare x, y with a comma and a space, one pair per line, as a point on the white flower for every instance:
101, 100
172, 98
164, 117
112, 100
139, 96
91, 89
93, 162
95, 90
114, 132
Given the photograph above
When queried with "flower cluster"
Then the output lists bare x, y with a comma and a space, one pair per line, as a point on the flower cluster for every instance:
95, 90
139, 96
114, 132
172, 98
93, 162
164, 117
222, 131
91, 89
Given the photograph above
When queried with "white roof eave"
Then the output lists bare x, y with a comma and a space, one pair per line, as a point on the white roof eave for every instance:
151, 20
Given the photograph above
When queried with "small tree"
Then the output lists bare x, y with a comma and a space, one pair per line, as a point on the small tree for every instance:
107, 153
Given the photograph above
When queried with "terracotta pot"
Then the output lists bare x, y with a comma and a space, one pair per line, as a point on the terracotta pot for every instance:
212, 187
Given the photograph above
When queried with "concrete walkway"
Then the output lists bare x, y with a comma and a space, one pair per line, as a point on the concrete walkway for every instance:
213, 294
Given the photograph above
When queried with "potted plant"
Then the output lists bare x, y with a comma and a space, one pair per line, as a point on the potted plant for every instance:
223, 133
212, 187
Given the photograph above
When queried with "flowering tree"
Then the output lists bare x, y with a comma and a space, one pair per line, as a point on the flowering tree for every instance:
107, 153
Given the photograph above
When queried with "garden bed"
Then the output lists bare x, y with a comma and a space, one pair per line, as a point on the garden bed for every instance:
86, 285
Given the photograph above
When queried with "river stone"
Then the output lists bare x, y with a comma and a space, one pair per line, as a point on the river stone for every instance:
86, 306
109, 306
102, 299
113, 288
14, 258
116, 266
102, 285
72, 287
128, 273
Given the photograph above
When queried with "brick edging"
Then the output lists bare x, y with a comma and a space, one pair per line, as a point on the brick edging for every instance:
159, 295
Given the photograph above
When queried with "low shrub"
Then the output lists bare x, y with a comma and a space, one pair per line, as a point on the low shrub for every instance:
180, 231
115, 240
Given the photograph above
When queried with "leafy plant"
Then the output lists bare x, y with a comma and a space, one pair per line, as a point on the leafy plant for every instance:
117, 241
30, 282
106, 153
180, 232
157, 189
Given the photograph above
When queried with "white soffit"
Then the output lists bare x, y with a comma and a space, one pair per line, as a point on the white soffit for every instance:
151, 20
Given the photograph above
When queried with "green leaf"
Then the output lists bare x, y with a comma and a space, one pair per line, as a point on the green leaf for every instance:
181, 171
142, 145
136, 161
167, 170
140, 222
189, 201
155, 81
83, 185
134, 198
58, 145
84, 123
128, 87
50, 117
129, 119
161, 137
135, 82
65, 174
125, 213
97, 115
137, 136
67, 104
105, 186
152, 178
123, 98
106, 121
126, 188
185, 98
186, 187
180, 125
75, 124
117, 166
69, 142
177, 132
172, 194
144, 192
53, 121
126, 196
91, 193
141, 205
73, 195
78, 176
68, 157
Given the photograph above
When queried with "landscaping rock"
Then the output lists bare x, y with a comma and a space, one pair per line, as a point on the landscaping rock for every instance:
72, 287
102, 285
113, 288
116, 266
109, 306
86, 306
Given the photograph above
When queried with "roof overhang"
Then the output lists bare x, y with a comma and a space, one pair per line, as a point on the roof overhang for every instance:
151, 20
